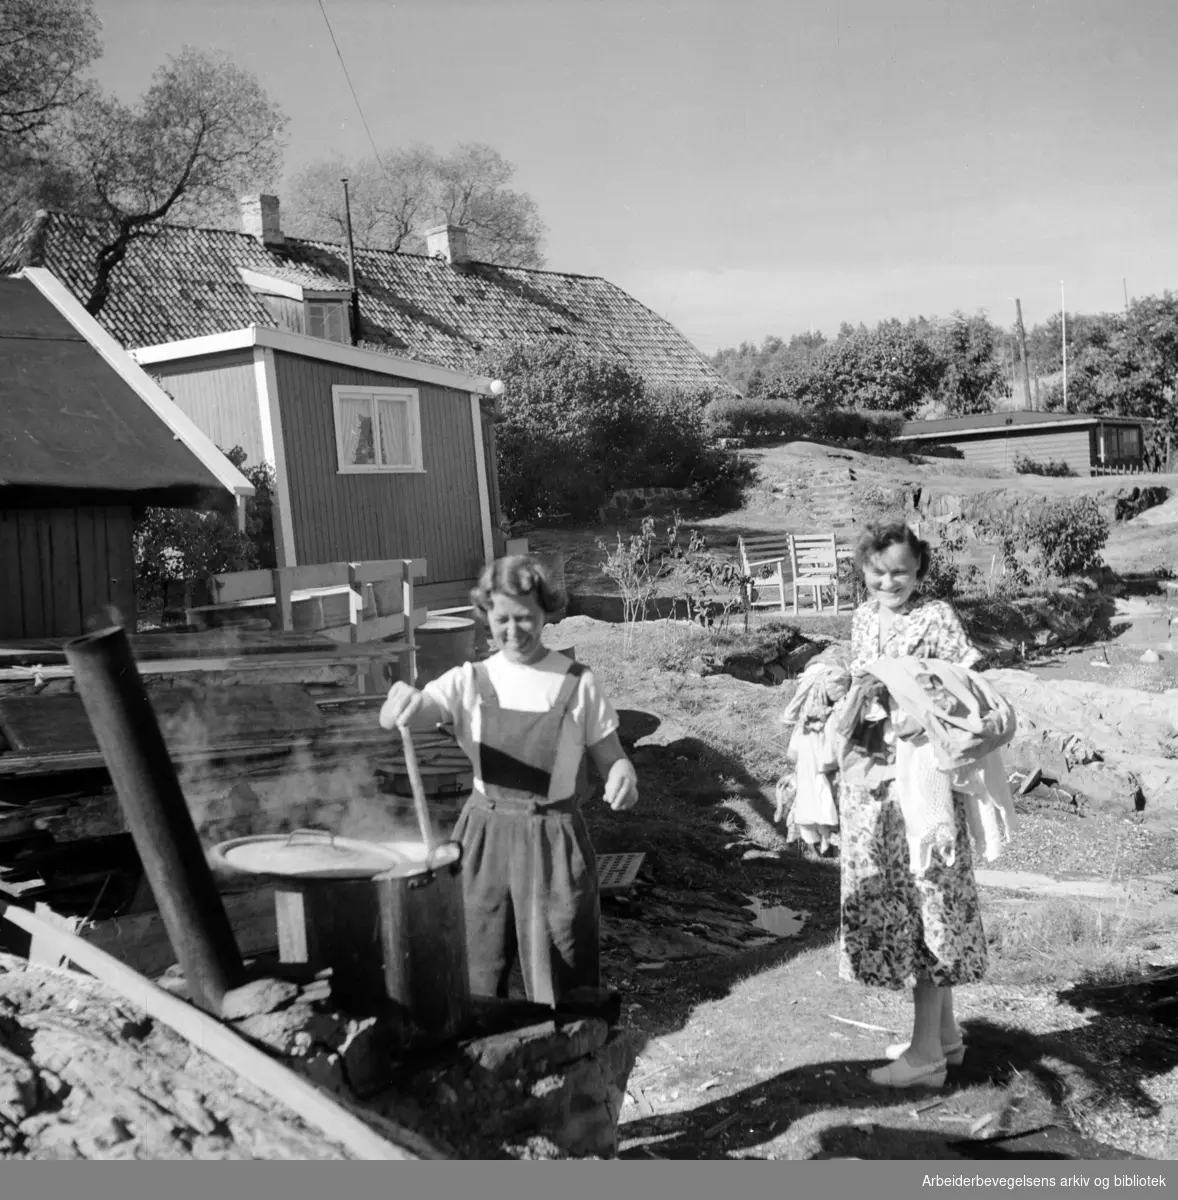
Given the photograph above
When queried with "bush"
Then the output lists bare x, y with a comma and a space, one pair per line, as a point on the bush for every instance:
760, 419
176, 544
578, 426
1053, 469
1067, 536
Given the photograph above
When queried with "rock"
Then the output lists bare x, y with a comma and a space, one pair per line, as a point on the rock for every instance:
324, 1068
515, 1054
258, 997
366, 1054
1150, 656
670, 945
291, 1030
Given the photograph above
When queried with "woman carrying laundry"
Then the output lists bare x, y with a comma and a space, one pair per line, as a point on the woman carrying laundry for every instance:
525, 718
910, 913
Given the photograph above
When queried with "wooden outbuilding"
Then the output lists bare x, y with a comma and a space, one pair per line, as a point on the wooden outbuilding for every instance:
1089, 443
87, 439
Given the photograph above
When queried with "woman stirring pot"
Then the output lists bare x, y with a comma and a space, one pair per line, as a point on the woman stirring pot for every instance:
525, 718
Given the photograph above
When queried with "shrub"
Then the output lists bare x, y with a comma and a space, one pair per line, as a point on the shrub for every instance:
1053, 469
578, 426
760, 419
174, 544
1067, 536
948, 576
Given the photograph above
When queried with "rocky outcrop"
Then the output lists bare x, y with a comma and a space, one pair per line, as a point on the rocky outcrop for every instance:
1116, 746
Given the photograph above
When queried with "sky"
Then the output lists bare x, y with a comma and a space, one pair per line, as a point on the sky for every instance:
750, 168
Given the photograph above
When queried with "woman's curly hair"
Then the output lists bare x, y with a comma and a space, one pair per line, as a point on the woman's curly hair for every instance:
875, 539
517, 576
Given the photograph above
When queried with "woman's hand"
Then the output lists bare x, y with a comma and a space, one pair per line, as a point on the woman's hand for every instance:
621, 786
400, 705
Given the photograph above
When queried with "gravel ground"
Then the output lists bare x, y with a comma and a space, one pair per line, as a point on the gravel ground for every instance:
1117, 848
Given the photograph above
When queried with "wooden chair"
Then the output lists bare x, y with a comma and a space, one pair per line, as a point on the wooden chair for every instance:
763, 559
814, 564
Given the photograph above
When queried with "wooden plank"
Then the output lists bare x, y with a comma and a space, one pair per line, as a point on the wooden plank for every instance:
243, 585
189, 718
91, 568
389, 568
32, 592
120, 541
141, 941
12, 623
65, 572
315, 576
46, 724
208, 1034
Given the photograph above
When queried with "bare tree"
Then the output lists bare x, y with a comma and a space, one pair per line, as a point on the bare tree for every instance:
45, 46
202, 133
394, 199
390, 199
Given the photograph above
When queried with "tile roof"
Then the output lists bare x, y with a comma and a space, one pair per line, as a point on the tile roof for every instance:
182, 283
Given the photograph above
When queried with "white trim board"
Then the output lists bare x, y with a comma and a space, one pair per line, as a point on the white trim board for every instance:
133, 374
310, 347
274, 450
480, 463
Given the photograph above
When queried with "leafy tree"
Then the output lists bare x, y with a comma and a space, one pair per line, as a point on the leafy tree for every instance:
395, 199
887, 369
202, 133
176, 544
579, 425
45, 46
1128, 366
972, 376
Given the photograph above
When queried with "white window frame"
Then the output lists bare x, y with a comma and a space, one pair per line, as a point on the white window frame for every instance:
339, 307
409, 396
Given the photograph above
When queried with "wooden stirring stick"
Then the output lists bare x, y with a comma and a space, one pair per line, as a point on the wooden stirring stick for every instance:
419, 802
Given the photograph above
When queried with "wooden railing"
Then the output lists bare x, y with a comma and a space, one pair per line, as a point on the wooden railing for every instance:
1120, 467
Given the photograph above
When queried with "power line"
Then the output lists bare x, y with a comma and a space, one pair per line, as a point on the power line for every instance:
359, 107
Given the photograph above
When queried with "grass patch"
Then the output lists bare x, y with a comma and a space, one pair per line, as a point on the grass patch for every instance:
1059, 941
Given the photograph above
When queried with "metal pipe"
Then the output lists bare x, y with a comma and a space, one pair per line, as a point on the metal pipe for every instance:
156, 812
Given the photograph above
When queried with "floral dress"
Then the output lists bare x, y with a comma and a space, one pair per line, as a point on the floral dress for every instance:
897, 927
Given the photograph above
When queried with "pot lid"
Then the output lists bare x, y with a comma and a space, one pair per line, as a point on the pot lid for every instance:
309, 854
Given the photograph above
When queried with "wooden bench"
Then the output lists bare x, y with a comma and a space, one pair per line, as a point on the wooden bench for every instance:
814, 561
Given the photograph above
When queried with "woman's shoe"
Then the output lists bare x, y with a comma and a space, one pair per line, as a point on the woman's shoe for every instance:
954, 1055
901, 1074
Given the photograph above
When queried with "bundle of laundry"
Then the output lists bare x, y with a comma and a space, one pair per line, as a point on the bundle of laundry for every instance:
813, 816
949, 725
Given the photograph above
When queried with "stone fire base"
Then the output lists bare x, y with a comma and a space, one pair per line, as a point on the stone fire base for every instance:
524, 1082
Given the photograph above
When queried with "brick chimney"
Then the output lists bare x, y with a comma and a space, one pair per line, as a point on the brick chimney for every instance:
259, 218
448, 242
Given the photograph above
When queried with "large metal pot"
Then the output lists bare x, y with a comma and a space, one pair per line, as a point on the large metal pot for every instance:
385, 917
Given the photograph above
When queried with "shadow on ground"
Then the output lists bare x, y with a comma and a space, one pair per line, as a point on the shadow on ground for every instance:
1029, 1082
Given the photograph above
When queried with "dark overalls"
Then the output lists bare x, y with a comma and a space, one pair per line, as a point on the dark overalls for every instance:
529, 870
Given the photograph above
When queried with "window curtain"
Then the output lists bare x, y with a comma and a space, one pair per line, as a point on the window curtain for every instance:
396, 446
355, 431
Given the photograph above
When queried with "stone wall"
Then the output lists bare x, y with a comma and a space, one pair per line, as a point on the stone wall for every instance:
523, 1083
633, 503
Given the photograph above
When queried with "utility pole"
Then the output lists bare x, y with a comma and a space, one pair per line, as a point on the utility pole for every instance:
354, 315
1125, 286
1063, 335
1022, 347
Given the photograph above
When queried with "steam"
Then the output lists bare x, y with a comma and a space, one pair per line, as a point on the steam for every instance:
335, 789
